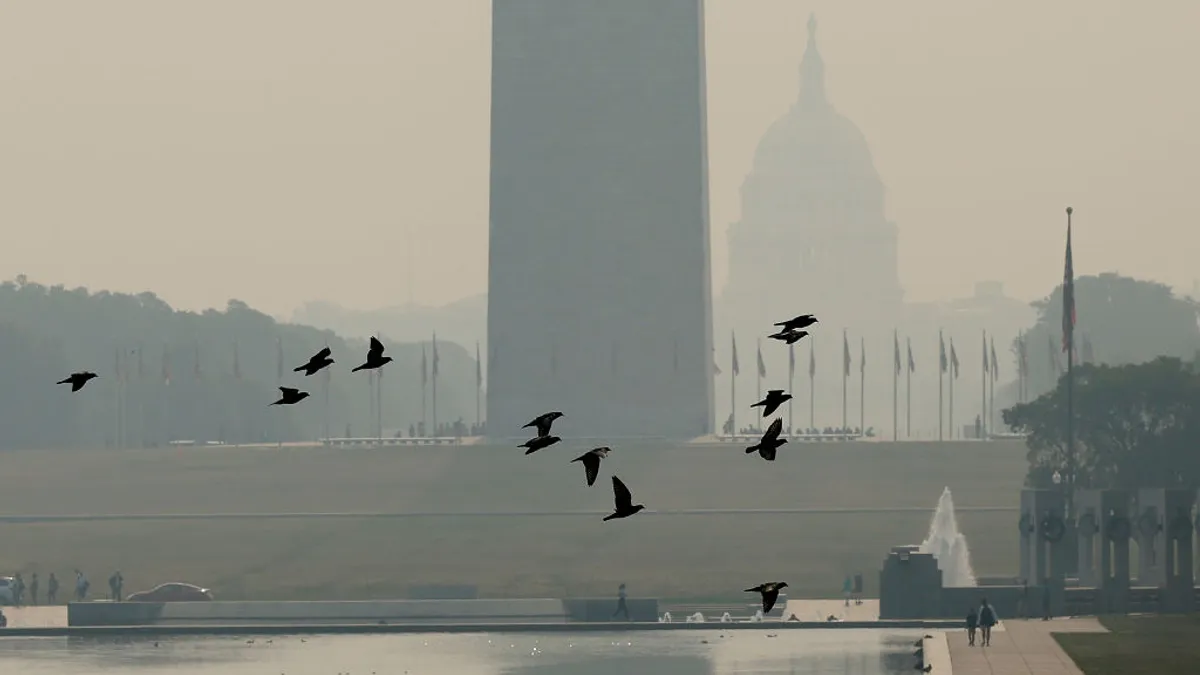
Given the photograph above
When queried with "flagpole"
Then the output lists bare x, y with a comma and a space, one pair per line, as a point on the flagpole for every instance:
950, 408
896, 388
941, 379
908, 391
845, 353
983, 418
1069, 336
733, 428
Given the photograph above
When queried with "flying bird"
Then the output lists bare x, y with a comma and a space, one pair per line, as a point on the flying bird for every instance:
375, 357
623, 501
789, 336
535, 444
542, 423
319, 360
77, 380
802, 321
288, 396
770, 593
770, 441
774, 399
591, 462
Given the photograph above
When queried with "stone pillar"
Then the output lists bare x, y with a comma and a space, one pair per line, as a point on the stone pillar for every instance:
1116, 529
1148, 533
1179, 582
1087, 532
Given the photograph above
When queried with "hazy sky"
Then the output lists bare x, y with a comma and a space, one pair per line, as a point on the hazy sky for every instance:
279, 151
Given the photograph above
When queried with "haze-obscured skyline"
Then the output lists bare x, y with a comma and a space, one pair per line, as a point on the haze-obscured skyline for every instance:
279, 152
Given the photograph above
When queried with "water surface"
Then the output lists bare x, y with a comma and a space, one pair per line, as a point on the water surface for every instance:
865, 652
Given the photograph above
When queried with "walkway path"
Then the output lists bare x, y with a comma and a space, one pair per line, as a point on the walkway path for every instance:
1019, 648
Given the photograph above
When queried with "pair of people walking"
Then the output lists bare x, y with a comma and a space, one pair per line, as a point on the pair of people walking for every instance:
982, 620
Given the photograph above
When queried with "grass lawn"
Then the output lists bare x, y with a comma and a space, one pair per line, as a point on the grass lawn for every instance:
1138, 645
666, 556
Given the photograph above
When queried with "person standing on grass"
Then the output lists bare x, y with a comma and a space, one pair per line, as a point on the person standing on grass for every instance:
622, 608
972, 624
52, 590
987, 619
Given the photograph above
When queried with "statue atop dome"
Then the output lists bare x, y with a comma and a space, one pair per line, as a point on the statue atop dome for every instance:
812, 68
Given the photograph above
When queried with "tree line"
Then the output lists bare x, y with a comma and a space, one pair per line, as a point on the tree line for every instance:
167, 374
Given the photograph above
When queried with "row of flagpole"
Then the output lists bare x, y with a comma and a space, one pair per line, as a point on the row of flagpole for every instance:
948, 373
125, 373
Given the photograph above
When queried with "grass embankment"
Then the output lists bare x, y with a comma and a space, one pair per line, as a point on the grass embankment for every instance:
679, 556
1138, 645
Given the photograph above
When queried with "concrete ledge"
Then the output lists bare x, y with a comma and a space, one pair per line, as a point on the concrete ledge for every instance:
346, 629
491, 611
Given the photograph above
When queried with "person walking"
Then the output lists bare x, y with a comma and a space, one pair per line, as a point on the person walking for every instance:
987, 619
622, 608
972, 624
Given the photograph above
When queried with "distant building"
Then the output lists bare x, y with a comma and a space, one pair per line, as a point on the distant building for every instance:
813, 229
599, 302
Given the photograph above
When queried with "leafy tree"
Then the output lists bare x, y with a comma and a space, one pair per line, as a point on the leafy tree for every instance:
49, 332
1134, 426
1124, 320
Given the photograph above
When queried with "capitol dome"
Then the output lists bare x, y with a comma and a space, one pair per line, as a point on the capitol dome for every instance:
812, 213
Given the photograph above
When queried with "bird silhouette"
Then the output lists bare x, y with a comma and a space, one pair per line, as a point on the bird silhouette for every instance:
789, 336
288, 396
774, 399
542, 423
623, 501
77, 380
770, 441
769, 592
591, 462
802, 321
319, 360
375, 357
535, 444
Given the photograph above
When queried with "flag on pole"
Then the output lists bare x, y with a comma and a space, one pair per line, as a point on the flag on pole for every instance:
791, 362
953, 359
896, 352
995, 363
812, 361
912, 364
987, 366
942, 352
237, 366
736, 370
762, 367
433, 370
1068, 293
862, 355
424, 368
845, 355
478, 367
166, 366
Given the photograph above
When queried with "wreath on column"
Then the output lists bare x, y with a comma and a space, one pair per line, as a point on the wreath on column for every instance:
1025, 525
1117, 528
1053, 528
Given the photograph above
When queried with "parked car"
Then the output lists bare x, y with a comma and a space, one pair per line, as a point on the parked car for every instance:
6, 590
172, 592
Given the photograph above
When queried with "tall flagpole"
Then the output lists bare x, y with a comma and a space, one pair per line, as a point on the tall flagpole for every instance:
896, 387
953, 373
1069, 339
992, 388
941, 381
733, 428
987, 369
908, 390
